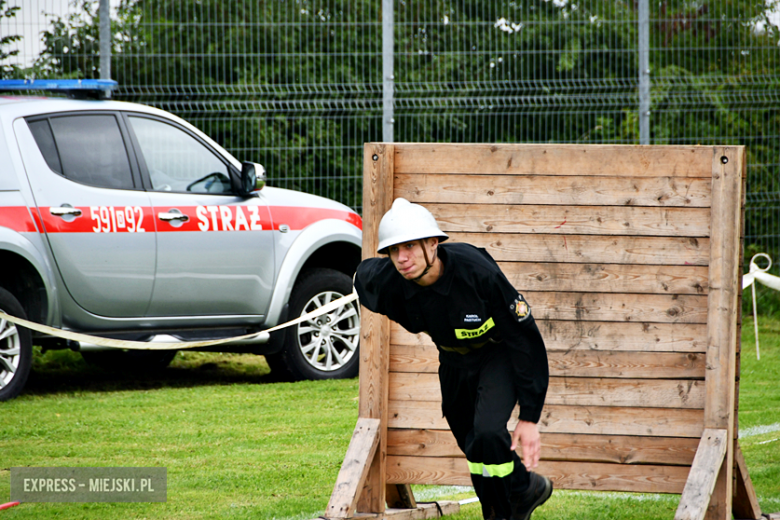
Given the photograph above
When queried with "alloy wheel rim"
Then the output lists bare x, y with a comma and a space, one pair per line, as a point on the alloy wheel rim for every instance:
329, 341
10, 351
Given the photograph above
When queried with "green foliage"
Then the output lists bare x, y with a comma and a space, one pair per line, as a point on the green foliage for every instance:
71, 46
8, 71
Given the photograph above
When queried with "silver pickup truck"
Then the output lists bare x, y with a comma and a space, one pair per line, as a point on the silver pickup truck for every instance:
123, 221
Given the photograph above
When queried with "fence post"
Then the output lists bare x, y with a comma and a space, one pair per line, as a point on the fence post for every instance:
644, 72
105, 41
388, 77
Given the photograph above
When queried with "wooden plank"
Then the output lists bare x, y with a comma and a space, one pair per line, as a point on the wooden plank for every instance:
554, 159
421, 512
594, 420
423, 443
619, 449
591, 249
616, 449
649, 393
354, 469
602, 336
572, 220
648, 308
651, 422
375, 329
565, 475
615, 477
704, 471
612, 278
437, 470
745, 500
658, 365
725, 271
554, 190
579, 363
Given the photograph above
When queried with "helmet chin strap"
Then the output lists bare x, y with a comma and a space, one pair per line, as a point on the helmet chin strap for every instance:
428, 263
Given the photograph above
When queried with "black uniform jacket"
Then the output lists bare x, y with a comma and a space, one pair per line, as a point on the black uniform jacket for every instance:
471, 308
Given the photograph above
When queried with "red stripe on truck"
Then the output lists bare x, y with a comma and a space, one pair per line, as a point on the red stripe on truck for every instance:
17, 218
140, 219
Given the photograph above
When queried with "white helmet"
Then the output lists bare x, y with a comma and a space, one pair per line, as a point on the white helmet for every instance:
405, 222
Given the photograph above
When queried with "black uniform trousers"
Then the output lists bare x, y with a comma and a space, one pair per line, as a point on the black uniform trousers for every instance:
477, 401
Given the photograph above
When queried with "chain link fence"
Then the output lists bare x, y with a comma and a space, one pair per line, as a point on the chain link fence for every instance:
298, 85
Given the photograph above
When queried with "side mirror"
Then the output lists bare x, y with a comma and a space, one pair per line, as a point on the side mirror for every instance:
252, 178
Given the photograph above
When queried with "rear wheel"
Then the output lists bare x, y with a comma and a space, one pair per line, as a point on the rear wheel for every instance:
325, 347
15, 348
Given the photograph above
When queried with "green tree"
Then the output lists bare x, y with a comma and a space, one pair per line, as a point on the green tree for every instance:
71, 46
8, 70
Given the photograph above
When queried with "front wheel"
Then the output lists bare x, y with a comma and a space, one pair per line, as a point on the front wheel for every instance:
15, 348
325, 347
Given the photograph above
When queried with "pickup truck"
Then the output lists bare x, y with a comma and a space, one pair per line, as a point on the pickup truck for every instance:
124, 221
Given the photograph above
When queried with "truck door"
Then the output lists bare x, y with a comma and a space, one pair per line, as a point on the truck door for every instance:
96, 216
215, 250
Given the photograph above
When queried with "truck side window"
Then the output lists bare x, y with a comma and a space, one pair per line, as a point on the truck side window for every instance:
176, 161
91, 150
41, 131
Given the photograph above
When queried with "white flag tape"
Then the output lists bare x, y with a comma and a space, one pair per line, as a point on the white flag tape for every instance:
142, 345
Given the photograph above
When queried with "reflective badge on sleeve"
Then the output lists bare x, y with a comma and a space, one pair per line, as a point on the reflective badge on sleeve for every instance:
520, 308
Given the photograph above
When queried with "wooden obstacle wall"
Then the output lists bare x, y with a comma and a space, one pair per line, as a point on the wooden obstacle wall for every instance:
630, 259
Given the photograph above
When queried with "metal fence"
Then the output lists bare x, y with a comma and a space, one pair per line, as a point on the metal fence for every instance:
298, 85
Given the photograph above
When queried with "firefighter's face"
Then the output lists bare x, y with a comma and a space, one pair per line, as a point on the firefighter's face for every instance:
409, 259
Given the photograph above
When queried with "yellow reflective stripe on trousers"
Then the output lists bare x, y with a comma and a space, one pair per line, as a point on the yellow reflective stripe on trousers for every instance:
491, 470
474, 333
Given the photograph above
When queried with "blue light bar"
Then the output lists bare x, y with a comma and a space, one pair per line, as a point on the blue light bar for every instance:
59, 85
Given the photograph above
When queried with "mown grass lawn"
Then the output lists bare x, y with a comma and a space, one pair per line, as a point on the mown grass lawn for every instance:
239, 445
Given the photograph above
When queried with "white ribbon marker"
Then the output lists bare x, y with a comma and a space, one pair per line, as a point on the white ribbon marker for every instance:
758, 274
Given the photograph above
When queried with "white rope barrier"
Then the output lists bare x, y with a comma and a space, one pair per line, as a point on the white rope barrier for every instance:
759, 274
142, 345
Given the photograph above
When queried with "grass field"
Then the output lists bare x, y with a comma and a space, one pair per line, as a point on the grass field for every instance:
238, 445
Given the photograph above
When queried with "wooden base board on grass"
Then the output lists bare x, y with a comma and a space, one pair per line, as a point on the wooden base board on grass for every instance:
428, 510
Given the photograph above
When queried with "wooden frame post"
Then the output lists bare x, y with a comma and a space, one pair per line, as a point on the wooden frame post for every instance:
720, 376
374, 328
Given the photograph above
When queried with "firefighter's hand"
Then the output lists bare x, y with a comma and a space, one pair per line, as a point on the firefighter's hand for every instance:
528, 435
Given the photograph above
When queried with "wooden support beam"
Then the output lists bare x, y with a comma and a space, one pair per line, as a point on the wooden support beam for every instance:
400, 496
354, 469
745, 500
375, 329
725, 271
704, 472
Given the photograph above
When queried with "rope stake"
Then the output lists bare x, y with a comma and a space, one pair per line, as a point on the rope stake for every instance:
759, 274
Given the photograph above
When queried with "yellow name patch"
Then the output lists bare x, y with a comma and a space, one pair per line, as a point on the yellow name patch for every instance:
474, 333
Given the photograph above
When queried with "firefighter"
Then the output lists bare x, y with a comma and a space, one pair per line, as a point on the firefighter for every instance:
491, 353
